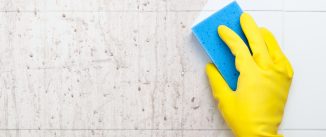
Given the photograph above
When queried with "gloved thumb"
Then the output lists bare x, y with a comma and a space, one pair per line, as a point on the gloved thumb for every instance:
221, 90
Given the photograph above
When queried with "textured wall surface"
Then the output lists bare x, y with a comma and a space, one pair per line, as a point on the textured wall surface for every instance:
132, 67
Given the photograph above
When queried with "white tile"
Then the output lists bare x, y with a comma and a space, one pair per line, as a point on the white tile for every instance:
245, 4
20, 98
303, 133
22, 41
305, 5
304, 45
94, 70
127, 5
214, 4
249, 6
261, 4
183, 5
208, 133
84, 133
101, 5
272, 20
198, 106
82, 6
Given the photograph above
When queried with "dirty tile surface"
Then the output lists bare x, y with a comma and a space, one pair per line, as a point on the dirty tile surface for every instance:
124, 68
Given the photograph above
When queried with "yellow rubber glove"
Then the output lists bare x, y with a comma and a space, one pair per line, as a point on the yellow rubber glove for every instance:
256, 108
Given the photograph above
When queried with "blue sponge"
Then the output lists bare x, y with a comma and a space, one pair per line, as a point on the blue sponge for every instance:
217, 50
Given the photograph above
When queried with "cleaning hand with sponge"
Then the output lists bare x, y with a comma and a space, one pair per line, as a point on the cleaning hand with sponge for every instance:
255, 106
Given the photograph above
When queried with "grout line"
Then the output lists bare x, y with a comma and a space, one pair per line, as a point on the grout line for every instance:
145, 11
40, 129
122, 129
318, 11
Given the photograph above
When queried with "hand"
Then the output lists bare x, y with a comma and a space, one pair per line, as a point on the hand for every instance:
256, 108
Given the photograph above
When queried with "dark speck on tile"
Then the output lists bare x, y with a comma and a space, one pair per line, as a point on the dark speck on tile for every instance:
196, 107
145, 4
192, 99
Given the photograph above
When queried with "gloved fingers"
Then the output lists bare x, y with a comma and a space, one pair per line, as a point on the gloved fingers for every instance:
238, 48
220, 89
272, 46
275, 51
256, 41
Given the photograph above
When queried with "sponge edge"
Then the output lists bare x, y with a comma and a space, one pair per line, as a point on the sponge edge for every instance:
217, 50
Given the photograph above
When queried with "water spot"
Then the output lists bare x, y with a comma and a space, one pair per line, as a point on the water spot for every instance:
95, 112
193, 99
196, 107
146, 3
